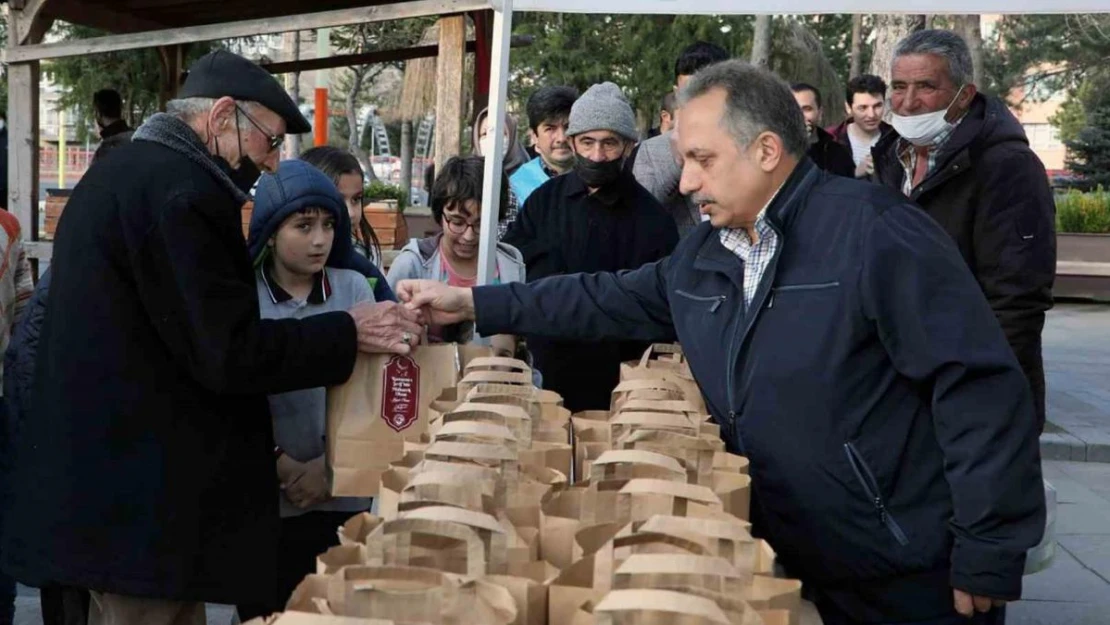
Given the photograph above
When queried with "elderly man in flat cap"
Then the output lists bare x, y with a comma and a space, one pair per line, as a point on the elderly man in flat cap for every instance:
145, 471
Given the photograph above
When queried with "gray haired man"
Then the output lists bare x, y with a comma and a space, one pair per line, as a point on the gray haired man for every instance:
964, 158
594, 218
842, 346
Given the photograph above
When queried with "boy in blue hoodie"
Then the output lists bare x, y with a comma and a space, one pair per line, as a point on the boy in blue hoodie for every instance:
302, 269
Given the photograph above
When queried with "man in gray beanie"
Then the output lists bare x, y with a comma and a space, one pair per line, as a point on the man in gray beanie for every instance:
594, 218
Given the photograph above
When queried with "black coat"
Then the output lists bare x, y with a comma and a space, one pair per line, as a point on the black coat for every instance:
146, 466
891, 433
563, 229
989, 191
831, 156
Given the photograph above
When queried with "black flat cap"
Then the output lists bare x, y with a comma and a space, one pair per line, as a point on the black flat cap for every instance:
221, 73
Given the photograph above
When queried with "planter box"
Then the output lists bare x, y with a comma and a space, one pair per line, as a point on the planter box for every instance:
1082, 266
56, 200
388, 223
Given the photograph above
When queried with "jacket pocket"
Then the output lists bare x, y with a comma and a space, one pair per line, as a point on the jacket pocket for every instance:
712, 301
871, 488
793, 288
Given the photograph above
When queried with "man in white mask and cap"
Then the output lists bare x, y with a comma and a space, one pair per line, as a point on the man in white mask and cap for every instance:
964, 158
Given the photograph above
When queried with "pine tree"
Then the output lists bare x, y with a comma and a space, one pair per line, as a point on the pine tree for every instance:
1089, 154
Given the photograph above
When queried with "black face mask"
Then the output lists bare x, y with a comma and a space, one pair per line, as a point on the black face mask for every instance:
246, 175
598, 175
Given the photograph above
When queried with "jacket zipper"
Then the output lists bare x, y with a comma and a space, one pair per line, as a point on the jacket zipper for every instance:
871, 488
798, 287
752, 313
716, 299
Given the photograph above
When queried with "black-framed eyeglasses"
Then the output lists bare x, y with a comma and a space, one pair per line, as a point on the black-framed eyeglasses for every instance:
275, 141
460, 227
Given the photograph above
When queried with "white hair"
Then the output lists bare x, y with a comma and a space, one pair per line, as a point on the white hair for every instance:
189, 109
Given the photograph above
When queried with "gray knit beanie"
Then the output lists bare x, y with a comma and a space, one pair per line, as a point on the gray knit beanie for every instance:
603, 107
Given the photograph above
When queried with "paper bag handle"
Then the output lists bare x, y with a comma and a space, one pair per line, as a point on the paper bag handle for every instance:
476, 564
497, 377
489, 363
682, 493
469, 451
668, 601
679, 564
647, 384
474, 428
661, 348
641, 457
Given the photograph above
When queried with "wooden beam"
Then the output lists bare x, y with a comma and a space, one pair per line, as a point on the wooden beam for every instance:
29, 22
349, 60
244, 28
100, 16
23, 147
449, 88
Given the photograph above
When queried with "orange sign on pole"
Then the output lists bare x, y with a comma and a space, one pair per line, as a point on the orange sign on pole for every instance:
320, 121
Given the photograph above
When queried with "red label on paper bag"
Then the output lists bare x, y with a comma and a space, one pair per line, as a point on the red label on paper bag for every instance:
400, 392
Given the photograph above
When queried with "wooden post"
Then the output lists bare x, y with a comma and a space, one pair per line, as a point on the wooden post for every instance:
23, 147
483, 42
449, 88
173, 57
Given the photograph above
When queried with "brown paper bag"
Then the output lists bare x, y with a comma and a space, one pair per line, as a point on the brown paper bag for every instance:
627, 464
495, 371
383, 404
339, 556
666, 362
304, 618
447, 539
646, 389
641, 499
694, 452
527, 587
357, 528
680, 571
728, 539
590, 578
516, 418
734, 490
660, 607
409, 594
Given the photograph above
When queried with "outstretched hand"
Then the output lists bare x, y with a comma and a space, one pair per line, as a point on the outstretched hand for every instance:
441, 304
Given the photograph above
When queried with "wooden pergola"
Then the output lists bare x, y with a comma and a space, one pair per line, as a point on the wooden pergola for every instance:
170, 25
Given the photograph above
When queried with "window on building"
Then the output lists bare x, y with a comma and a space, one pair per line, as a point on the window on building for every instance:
1043, 136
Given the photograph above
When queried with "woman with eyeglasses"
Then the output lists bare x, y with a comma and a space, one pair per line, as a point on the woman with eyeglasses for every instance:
451, 256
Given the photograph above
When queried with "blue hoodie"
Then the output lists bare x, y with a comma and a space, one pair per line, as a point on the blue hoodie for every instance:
295, 186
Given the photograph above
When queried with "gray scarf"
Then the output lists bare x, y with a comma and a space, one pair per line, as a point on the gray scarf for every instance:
178, 136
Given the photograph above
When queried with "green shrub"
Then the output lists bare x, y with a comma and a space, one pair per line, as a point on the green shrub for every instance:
1083, 212
379, 190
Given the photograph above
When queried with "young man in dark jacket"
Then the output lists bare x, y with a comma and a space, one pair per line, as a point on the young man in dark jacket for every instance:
824, 151
965, 160
842, 346
865, 102
595, 218
146, 472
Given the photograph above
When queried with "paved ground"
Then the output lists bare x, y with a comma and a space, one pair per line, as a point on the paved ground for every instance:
1076, 589
1077, 371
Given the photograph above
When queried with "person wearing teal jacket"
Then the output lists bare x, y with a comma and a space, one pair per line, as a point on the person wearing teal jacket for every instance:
548, 116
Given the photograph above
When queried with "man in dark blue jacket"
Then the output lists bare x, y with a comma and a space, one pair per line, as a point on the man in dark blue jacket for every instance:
843, 346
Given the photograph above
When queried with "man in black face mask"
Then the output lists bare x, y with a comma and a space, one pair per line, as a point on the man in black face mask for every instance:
594, 218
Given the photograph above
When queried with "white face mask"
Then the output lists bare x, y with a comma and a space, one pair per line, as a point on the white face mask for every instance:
922, 130
2, 125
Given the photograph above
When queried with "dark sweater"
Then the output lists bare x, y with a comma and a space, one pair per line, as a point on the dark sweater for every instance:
563, 229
